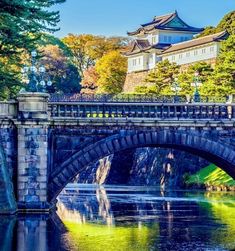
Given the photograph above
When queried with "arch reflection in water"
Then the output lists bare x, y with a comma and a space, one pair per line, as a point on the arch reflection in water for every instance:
131, 218
126, 218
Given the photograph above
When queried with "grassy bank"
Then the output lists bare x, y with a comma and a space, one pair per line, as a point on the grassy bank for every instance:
210, 177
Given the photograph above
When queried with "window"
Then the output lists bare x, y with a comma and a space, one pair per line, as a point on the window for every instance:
212, 49
154, 40
169, 39
188, 54
203, 51
195, 53
173, 58
134, 62
151, 58
165, 38
180, 56
139, 61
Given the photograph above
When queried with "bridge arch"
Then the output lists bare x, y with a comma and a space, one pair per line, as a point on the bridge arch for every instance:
211, 149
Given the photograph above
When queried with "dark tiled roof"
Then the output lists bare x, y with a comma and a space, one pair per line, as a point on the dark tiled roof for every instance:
143, 45
161, 23
198, 41
138, 45
161, 46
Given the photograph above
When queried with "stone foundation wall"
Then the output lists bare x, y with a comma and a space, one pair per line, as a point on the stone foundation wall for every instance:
144, 166
133, 80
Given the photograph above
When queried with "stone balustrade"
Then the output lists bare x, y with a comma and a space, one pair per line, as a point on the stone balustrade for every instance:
171, 111
8, 109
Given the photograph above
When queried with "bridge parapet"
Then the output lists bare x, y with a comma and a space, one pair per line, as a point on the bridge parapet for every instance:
8, 109
157, 111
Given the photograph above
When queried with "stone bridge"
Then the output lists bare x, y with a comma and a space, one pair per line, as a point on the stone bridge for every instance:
45, 143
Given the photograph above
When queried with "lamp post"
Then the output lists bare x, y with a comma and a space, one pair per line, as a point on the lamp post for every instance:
196, 84
176, 88
34, 76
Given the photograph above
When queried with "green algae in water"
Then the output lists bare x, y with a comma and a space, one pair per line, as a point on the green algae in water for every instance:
94, 237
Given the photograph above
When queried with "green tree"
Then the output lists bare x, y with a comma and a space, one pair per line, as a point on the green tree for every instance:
111, 69
227, 23
20, 22
205, 71
161, 78
209, 30
222, 82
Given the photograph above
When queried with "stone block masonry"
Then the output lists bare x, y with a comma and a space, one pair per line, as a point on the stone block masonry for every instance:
32, 152
133, 80
32, 166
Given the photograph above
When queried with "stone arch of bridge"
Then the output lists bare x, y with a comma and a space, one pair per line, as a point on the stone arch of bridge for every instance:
213, 150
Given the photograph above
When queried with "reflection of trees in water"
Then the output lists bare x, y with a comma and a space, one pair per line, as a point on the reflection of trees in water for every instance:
94, 206
165, 224
180, 222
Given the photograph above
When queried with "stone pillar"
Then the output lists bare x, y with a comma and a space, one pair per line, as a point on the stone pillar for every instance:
32, 152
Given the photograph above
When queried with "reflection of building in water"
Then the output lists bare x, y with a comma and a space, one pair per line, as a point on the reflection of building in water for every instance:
92, 207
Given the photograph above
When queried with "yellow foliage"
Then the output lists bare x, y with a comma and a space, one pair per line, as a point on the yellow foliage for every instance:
111, 69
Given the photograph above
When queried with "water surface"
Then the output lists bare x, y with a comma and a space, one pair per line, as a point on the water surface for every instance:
91, 218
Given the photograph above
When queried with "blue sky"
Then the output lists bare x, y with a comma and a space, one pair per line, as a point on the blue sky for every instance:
108, 17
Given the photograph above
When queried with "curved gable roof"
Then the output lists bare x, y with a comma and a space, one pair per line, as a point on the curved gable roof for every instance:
166, 22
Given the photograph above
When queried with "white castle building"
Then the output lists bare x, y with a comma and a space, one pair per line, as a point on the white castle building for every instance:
168, 37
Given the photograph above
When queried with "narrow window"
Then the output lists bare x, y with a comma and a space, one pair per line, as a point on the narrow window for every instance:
153, 40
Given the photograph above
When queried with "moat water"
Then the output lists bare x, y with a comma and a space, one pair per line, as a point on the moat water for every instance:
114, 218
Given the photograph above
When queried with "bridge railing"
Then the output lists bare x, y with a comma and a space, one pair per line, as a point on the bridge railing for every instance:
132, 98
74, 110
8, 109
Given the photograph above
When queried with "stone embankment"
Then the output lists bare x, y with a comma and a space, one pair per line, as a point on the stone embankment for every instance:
144, 166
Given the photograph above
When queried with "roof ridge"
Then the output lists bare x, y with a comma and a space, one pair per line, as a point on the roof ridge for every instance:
200, 38
169, 14
198, 41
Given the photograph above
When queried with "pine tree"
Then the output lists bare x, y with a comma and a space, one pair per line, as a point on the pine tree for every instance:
162, 77
21, 22
227, 23
222, 82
